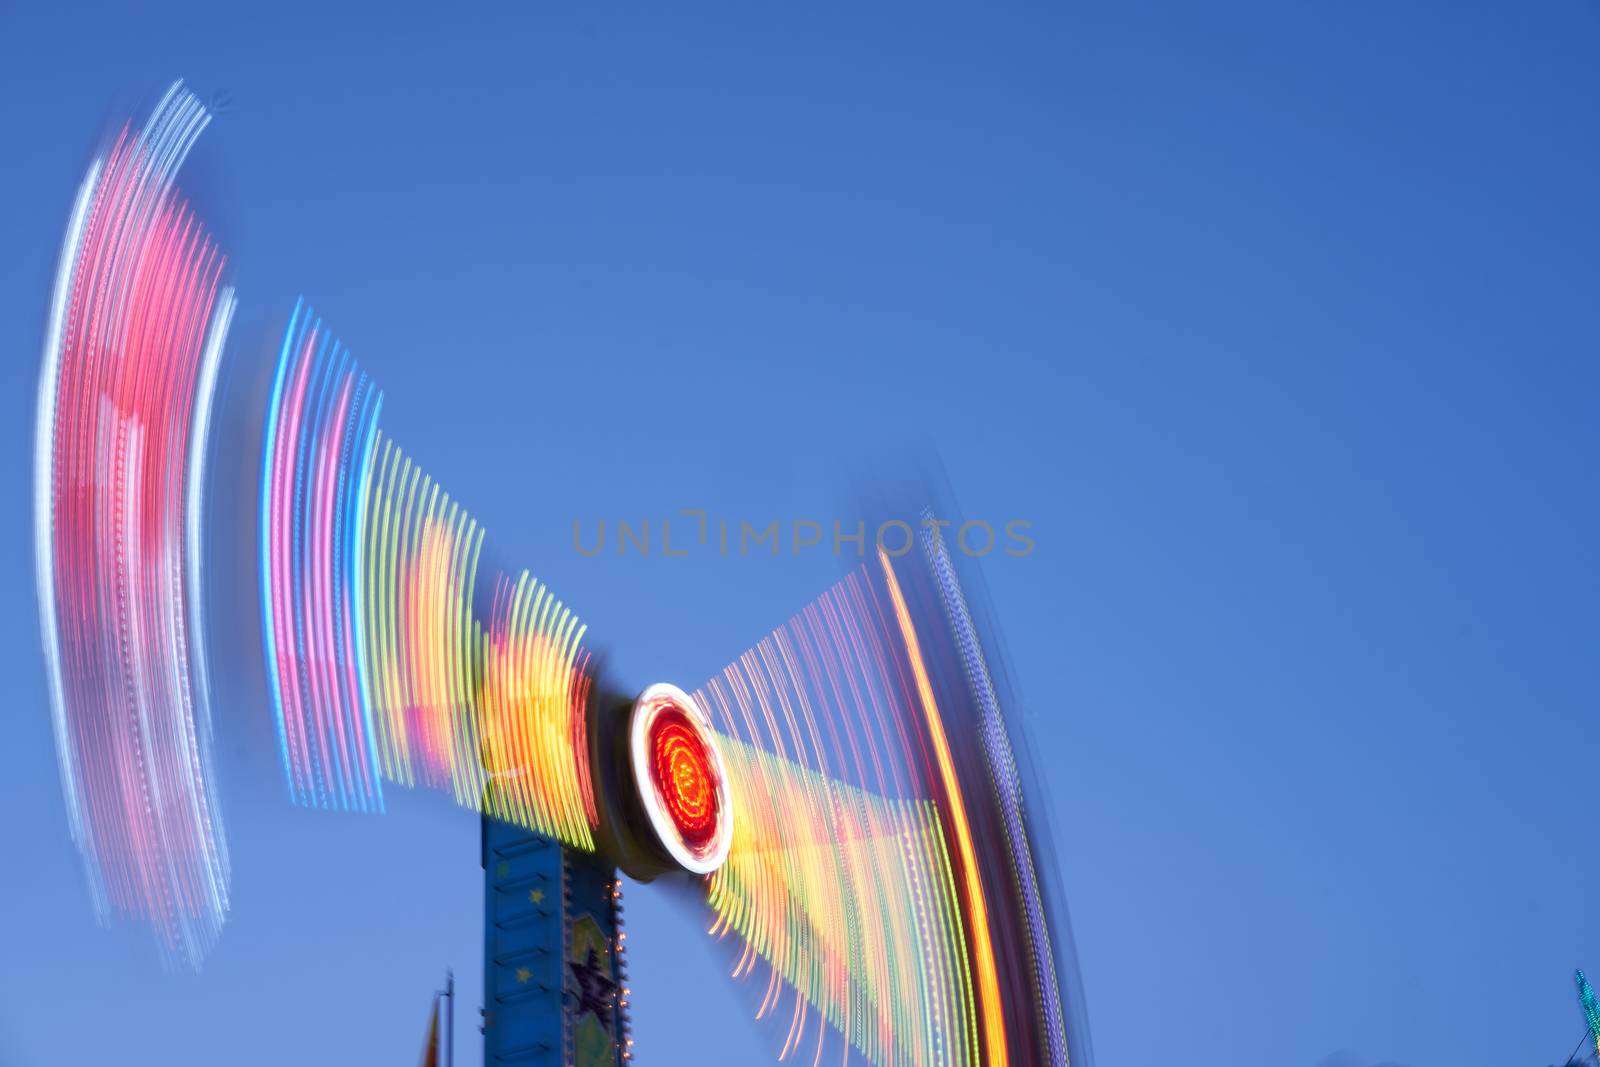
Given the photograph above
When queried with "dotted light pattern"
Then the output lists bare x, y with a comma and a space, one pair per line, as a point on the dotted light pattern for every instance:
840, 877
136, 328
390, 656
1008, 791
1591, 1009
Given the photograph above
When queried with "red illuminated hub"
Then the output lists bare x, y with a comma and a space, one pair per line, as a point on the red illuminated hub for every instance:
680, 777
682, 774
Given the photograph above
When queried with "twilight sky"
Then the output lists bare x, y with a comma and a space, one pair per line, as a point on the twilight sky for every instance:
1277, 322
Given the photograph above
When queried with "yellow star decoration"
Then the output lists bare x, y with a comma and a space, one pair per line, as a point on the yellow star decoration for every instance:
523, 974
536, 895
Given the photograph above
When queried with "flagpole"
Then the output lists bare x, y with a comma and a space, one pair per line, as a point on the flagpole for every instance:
450, 1020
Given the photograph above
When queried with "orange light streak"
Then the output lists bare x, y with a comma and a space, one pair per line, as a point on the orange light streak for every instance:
983, 946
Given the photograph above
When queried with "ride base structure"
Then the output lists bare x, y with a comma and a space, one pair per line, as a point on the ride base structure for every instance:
554, 978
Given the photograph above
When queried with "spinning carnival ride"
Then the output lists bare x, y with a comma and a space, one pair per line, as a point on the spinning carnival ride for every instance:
844, 796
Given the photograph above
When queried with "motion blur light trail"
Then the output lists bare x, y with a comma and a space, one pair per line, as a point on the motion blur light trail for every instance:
846, 794
1005, 780
321, 429
878, 860
839, 874
136, 329
873, 865
847, 896
389, 655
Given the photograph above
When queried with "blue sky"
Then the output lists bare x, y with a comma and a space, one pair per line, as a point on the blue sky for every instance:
1277, 321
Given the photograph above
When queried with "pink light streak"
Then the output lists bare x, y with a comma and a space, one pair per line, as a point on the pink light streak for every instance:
137, 325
